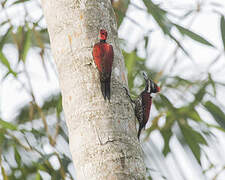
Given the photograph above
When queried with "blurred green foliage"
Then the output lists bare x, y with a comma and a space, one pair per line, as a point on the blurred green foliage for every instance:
23, 140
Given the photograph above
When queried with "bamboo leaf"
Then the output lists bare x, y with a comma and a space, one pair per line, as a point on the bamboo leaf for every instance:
120, 8
132, 62
38, 176
129, 60
1, 136
215, 126
193, 139
48, 105
193, 114
65, 161
167, 134
159, 15
212, 83
167, 102
187, 14
59, 105
19, 1
7, 125
146, 39
5, 37
162, 20
3, 173
199, 95
193, 35
26, 44
222, 29
180, 46
216, 112
17, 157
5, 62
188, 112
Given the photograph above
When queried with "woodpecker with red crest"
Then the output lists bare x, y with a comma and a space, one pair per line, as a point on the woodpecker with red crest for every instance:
143, 102
103, 57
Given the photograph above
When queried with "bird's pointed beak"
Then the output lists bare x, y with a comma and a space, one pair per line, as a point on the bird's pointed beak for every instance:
145, 76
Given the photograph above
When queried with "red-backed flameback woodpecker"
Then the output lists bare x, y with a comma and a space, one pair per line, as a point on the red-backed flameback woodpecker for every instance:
143, 103
103, 57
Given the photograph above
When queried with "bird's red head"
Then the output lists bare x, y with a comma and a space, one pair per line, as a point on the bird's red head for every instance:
154, 87
103, 34
151, 86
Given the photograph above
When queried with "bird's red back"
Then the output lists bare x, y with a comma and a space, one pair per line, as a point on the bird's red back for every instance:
103, 57
147, 102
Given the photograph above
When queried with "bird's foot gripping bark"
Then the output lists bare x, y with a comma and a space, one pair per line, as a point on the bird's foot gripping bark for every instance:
127, 93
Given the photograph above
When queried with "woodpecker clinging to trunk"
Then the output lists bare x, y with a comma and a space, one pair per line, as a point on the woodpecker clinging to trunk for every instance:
143, 103
103, 56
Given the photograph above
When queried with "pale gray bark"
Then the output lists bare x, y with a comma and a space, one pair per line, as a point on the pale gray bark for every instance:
103, 137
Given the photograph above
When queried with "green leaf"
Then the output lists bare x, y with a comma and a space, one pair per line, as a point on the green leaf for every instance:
193, 139
167, 102
49, 106
19, 1
2, 138
17, 157
215, 127
5, 62
65, 161
5, 37
4, 22
162, 20
131, 62
120, 10
187, 14
180, 46
193, 35
45, 157
159, 15
216, 112
193, 114
59, 105
167, 134
212, 83
38, 133
7, 125
3, 173
188, 112
179, 82
199, 95
146, 39
38, 176
26, 44
222, 29
41, 167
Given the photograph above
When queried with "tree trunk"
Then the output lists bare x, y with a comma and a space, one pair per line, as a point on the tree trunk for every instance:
103, 137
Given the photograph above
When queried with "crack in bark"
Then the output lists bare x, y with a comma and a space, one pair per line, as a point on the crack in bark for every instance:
122, 159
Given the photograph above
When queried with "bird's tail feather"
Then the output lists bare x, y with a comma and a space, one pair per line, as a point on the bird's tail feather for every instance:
139, 130
103, 87
139, 133
107, 89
